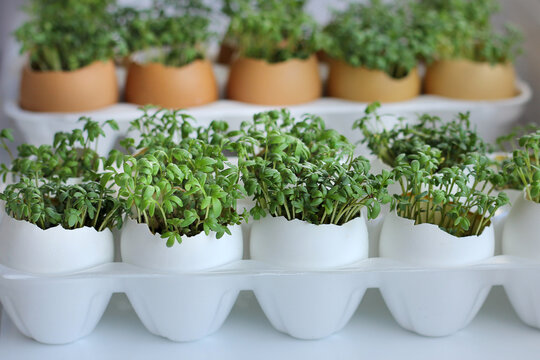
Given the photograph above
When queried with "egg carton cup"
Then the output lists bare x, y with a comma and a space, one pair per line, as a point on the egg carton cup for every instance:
492, 118
305, 304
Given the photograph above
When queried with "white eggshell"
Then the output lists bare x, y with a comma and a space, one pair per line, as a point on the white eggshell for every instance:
428, 245
521, 236
139, 246
25, 246
299, 244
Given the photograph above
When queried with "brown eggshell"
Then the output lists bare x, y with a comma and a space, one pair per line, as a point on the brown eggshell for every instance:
89, 88
365, 85
464, 79
226, 53
171, 87
323, 56
290, 82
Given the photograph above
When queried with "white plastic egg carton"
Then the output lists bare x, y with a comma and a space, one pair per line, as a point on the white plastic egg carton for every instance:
304, 304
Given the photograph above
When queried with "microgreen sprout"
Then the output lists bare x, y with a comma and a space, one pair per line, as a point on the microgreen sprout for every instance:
272, 30
378, 36
525, 165
65, 35
504, 162
173, 33
159, 128
72, 154
457, 198
301, 170
177, 186
71, 206
454, 139
463, 30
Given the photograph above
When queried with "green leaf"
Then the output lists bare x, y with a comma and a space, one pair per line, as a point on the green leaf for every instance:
216, 207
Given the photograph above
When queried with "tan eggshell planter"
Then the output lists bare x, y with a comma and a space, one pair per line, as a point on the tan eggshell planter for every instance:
365, 85
290, 82
89, 88
464, 79
171, 87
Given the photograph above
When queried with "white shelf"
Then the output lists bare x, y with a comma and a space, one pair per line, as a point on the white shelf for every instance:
496, 333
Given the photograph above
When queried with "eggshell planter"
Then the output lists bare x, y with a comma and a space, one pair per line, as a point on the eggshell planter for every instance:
436, 303
171, 87
175, 308
468, 80
289, 82
89, 88
298, 244
55, 312
25, 246
293, 305
366, 85
521, 238
428, 245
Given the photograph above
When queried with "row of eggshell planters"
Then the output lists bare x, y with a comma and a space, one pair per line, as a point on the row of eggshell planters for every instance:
308, 279
255, 81
250, 81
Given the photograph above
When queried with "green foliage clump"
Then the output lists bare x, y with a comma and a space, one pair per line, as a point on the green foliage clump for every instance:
272, 30
378, 36
510, 141
159, 128
454, 139
301, 170
525, 165
504, 162
457, 199
463, 30
45, 192
66, 35
72, 154
173, 33
71, 206
177, 186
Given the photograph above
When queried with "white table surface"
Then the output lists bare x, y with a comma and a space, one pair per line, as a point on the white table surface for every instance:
496, 333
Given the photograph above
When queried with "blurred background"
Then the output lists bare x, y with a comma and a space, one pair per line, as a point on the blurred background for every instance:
524, 13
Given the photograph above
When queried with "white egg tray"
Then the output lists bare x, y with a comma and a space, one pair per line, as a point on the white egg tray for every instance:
304, 304
492, 118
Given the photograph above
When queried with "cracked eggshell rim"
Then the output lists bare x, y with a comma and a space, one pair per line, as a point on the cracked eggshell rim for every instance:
427, 245
301, 245
138, 246
25, 246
